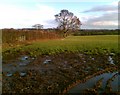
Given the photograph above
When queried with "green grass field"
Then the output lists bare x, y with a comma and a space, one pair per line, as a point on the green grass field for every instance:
86, 44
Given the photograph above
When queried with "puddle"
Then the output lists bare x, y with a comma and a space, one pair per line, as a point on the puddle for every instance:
110, 59
9, 74
47, 61
23, 58
19, 65
116, 85
91, 82
24, 63
22, 74
99, 68
93, 58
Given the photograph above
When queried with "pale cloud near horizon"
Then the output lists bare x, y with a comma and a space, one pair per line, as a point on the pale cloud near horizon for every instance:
14, 16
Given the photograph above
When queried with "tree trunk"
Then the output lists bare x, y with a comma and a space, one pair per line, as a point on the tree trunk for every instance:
65, 33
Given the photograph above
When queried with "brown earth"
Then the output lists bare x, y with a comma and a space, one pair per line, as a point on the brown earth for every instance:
51, 73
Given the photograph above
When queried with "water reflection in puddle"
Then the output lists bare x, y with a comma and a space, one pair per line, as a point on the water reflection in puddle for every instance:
18, 66
9, 74
91, 82
23, 74
110, 59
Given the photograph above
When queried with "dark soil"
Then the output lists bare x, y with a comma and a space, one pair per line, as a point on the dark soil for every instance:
53, 76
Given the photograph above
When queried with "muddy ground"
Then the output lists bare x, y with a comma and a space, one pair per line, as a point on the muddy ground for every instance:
51, 73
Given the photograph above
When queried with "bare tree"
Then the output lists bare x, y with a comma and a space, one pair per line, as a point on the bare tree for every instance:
38, 26
67, 21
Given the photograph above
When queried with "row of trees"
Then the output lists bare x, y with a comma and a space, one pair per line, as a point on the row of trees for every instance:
66, 22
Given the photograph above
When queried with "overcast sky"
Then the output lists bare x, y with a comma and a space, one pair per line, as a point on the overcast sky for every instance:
102, 14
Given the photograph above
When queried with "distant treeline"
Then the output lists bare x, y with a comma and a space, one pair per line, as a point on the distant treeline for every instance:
22, 35
96, 32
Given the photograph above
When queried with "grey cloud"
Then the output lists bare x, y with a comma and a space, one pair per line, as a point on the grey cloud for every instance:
102, 8
113, 17
106, 17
